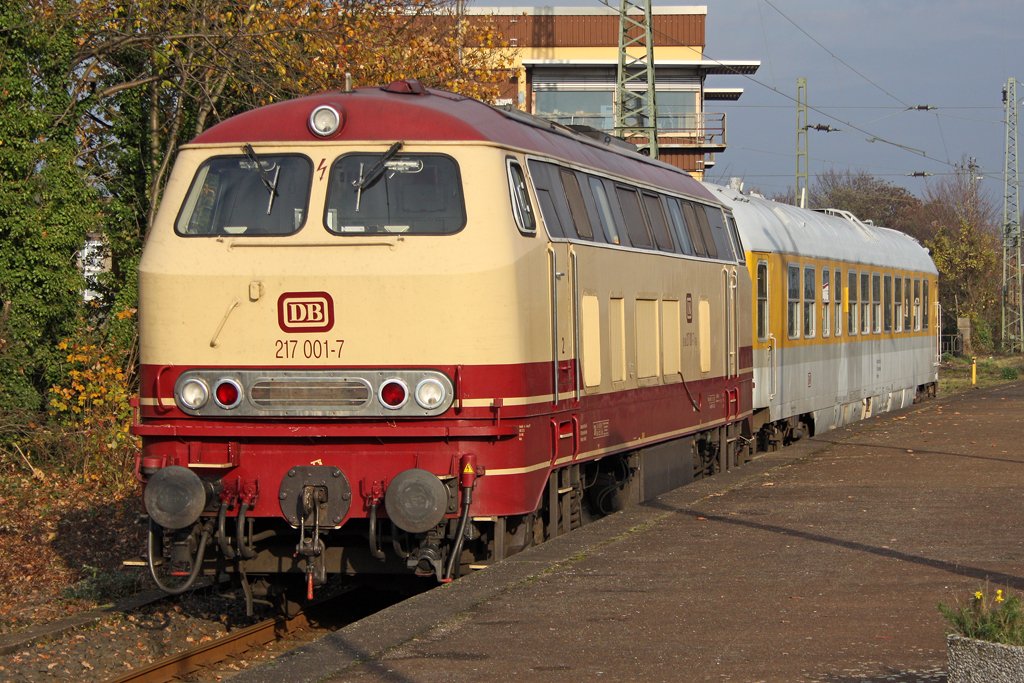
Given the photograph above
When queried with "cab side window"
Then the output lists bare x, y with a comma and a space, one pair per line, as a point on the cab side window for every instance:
522, 209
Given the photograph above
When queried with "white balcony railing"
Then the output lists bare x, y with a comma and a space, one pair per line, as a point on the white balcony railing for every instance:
684, 129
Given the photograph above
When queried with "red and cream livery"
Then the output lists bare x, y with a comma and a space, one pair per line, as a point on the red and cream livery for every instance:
396, 329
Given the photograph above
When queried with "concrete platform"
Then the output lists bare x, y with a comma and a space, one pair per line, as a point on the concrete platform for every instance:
824, 562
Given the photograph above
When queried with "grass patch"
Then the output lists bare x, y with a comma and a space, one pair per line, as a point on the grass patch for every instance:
955, 372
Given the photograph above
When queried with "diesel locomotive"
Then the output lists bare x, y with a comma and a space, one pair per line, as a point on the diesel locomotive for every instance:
399, 331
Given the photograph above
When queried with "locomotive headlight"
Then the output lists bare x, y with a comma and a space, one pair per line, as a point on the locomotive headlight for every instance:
430, 394
194, 394
324, 121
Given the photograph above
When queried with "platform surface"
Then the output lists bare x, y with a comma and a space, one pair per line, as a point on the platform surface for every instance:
821, 562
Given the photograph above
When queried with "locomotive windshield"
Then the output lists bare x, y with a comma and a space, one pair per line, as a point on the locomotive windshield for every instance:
374, 193
247, 195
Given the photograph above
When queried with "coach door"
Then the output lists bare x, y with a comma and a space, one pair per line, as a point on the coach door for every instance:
767, 330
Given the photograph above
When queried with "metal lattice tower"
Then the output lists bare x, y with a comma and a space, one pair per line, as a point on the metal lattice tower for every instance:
1013, 305
801, 142
636, 111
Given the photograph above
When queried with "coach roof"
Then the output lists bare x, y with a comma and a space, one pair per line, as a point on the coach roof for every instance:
405, 110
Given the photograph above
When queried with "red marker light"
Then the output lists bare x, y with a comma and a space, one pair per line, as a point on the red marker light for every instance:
228, 394
393, 394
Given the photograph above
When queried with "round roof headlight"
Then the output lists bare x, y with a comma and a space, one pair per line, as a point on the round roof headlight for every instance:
193, 394
325, 121
430, 394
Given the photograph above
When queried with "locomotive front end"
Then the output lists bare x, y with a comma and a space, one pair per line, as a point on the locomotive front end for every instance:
303, 296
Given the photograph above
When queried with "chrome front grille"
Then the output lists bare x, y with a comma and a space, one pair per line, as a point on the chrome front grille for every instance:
276, 394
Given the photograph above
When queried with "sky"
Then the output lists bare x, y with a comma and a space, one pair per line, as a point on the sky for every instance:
866, 63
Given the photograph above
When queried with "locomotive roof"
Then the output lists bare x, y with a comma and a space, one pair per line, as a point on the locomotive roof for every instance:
406, 111
770, 226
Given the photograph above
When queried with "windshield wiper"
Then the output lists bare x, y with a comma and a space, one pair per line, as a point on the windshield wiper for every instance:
374, 173
268, 182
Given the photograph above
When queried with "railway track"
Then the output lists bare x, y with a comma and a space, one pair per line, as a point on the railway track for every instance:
197, 658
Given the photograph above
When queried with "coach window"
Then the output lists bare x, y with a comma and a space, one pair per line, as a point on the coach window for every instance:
907, 308
876, 301
917, 305
810, 294
658, 221
851, 305
762, 300
690, 213
247, 195
793, 309
604, 210
837, 298
522, 210
636, 227
407, 193
826, 303
679, 226
898, 302
865, 303
577, 208
887, 305
925, 302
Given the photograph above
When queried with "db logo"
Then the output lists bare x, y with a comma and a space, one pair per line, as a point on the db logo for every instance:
305, 311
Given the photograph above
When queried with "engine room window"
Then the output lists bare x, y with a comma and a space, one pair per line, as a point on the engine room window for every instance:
719, 233
577, 208
636, 227
247, 194
679, 226
394, 193
659, 224
604, 210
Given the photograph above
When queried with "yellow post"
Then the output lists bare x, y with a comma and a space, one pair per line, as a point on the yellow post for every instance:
974, 371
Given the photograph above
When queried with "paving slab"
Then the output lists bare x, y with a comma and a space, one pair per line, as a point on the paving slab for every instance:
822, 562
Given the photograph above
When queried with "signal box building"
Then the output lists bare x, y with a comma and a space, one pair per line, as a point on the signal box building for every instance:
567, 68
